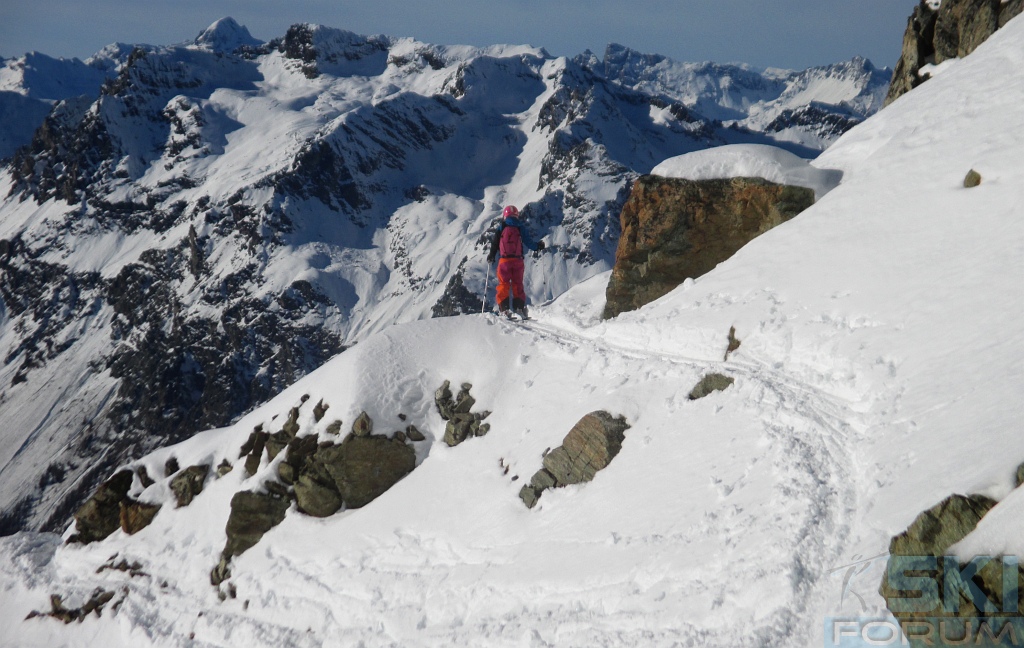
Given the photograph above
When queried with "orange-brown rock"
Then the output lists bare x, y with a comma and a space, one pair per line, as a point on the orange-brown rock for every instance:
673, 229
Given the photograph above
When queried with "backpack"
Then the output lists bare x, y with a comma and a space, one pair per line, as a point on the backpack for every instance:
511, 245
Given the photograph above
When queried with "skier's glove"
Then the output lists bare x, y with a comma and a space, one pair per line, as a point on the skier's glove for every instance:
490, 258
540, 245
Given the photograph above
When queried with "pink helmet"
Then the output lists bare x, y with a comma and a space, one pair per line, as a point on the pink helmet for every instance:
510, 212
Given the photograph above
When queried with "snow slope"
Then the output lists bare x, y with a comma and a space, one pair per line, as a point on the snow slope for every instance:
880, 371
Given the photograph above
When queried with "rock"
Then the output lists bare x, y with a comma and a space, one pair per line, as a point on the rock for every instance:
711, 383
464, 402
1020, 475
224, 467
932, 533
443, 401
221, 572
334, 427
189, 483
955, 30
363, 468
298, 450
291, 426
414, 433
277, 442
918, 50
972, 179
319, 410
363, 425
962, 25
99, 598
675, 229
733, 342
144, 477
399, 436
136, 516
101, 514
171, 467
317, 498
252, 515
259, 440
589, 447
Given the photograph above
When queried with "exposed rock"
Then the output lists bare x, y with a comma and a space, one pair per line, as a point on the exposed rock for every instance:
414, 433
364, 467
733, 342
144, 477
171, 467
136, 516
675, 229
443, 400
363, 425
319, 410
334, 427
315, 497
101, 514
252, 515
711, 383
954, 30
972, 179
189, 483
962, 25
224, 467
931, 534
462, 423
298, 450
1019, 477
291, 426
258, 440
589, 447
100, 597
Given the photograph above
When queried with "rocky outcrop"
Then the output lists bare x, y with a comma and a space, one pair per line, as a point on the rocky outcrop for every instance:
352, 474
711, 383
101, 514
136, 516
462, 423
589, 447
954, 30
189, 483
252, 515
675, 229
918, 552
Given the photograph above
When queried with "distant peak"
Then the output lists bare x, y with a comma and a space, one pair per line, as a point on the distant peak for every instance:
226, 35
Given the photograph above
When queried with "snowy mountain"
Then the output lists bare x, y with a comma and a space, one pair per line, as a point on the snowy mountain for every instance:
225, 215
874, 377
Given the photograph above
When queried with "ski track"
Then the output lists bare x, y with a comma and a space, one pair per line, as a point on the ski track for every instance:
437, 591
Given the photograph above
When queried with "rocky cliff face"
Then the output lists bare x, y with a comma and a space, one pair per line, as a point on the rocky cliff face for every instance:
674, 229
939, 32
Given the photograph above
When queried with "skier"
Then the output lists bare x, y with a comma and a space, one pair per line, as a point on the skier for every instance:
509, 242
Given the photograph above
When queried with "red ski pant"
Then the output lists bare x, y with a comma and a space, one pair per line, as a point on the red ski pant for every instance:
510, 278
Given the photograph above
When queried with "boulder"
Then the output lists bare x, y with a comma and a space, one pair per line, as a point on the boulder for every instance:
252, 450
1019, 477
101, 514
462, 423
972, 179
319, 410
918, 50
932, 533
674, 229
252, 515
414, 433
189, 483
962, 25
363, 425
589, 447
364, 467
316, 498
710, 383
136, 516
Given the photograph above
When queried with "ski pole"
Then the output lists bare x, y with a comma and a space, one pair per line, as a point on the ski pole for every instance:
483, 302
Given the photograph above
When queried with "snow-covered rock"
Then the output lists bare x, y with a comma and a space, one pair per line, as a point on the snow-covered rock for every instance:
751, 161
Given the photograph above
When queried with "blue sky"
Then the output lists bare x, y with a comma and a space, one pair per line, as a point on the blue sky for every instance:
779, 33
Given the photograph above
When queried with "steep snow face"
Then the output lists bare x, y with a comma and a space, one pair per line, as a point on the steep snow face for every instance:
227, 215
878, 372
